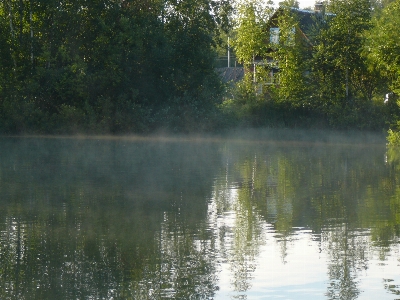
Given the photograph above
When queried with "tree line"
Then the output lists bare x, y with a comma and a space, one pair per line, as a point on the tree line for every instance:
338, 75
118, 66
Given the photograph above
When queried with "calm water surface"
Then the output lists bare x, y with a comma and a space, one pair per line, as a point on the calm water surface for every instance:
273, 217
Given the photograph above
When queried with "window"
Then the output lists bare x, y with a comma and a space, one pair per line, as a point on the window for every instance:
274, 35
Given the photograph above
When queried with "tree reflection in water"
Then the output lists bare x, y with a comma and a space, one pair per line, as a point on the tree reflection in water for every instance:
88, 219
134, 219
330, 190
348, 257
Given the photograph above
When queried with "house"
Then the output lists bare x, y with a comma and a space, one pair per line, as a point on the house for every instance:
308, 23
307, 26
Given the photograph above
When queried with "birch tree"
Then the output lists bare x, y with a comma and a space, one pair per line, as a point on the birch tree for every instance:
291, 54
251, 38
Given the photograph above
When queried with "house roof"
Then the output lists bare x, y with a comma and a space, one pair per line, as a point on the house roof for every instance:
230, 74
307, 18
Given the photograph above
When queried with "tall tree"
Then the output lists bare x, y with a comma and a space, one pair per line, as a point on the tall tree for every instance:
383, 52
338, 64
251, 34
291, 54
383, 45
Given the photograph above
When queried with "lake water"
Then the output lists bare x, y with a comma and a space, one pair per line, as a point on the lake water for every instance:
261, 216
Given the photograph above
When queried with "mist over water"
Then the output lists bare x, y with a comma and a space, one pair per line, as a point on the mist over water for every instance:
249, 215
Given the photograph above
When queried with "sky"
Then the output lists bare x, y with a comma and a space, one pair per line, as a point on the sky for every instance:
303, 3
306, 3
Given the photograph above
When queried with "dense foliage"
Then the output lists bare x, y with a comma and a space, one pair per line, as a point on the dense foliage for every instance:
108, 65
141, 65
334, 73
